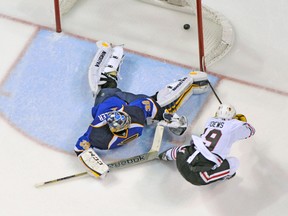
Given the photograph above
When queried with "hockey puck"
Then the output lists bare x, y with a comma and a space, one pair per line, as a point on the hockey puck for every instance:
186, 26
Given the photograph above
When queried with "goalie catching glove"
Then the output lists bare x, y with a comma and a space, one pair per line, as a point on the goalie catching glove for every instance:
176, 124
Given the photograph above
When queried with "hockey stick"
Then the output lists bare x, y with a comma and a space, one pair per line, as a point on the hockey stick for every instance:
150, 155
214, 92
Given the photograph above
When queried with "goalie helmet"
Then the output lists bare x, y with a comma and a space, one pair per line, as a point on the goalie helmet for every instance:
118, 121
225, 111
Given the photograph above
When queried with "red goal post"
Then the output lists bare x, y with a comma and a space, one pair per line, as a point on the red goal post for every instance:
215, 33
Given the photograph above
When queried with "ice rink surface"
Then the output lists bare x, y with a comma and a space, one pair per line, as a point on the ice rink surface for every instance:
252, 77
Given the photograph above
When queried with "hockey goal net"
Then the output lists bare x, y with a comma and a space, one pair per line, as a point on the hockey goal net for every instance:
215, 33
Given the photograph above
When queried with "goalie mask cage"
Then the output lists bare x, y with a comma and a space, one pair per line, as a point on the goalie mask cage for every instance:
215, 33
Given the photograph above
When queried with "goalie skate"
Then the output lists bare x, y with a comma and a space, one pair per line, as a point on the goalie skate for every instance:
107, 61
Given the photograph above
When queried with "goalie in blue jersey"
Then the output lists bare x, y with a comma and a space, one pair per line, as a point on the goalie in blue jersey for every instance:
120, 117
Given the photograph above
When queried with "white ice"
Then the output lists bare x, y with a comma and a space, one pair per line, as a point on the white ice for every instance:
253, 78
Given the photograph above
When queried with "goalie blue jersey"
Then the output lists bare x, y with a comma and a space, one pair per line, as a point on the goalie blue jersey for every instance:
98, 133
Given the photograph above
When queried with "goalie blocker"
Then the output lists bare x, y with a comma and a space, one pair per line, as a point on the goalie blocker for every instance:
93, 163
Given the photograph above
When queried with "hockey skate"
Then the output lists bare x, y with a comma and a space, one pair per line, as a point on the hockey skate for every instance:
229, 177
169, 154
163, 156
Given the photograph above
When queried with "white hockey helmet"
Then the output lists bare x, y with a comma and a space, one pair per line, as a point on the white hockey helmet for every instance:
225, 111
118, 121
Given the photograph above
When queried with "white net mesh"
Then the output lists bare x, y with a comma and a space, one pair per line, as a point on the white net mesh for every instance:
66, 5
218, 32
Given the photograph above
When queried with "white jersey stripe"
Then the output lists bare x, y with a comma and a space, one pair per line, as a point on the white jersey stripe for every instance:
208, 178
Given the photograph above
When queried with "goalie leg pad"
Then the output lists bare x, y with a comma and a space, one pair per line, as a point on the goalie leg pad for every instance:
173, 91
175, 94
105, 65
200, 82
93, 163
115, 60
98, 64
109, 77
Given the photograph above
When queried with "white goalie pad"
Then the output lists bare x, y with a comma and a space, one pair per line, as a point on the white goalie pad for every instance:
107, 59
115, 60
93, 163
173, 91
198, 77
179, 91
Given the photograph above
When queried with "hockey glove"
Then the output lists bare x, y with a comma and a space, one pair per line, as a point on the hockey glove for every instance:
175, 123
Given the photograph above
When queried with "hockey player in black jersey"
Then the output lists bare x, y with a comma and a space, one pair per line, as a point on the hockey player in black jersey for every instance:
206, 159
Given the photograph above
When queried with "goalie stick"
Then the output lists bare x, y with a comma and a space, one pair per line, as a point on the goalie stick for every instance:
150, 155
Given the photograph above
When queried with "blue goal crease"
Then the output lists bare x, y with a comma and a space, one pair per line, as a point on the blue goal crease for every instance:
50, 99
